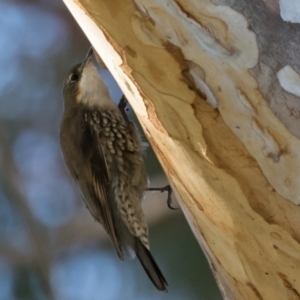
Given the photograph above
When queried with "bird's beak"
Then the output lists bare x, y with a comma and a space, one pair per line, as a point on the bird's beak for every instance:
87, 58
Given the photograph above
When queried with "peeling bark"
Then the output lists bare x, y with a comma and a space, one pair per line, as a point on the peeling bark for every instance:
215, 85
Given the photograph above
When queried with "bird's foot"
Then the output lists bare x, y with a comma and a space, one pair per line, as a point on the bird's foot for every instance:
122, 107
167, 189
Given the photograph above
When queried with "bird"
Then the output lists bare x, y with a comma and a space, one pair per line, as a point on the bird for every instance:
103, 153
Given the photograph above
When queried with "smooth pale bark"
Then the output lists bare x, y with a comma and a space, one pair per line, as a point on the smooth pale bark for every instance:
216, 86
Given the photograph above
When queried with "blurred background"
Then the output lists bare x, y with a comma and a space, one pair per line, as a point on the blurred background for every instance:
50, 247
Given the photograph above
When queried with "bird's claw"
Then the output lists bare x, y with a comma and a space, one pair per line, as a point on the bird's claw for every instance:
168, 189
122, 107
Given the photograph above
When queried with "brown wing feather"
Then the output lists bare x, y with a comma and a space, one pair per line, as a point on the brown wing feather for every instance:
98, 183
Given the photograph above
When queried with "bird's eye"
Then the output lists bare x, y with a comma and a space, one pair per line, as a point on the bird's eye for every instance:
74, 78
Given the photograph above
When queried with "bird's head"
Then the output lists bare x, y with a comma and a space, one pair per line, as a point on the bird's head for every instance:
84, 84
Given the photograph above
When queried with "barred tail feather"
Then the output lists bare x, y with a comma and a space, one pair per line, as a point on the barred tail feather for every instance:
150, 266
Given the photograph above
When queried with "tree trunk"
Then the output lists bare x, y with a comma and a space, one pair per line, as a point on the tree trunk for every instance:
216, 86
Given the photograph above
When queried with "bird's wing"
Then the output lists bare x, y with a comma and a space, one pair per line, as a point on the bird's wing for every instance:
96, 176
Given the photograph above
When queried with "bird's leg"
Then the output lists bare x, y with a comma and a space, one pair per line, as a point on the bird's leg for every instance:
122, 107
166, 188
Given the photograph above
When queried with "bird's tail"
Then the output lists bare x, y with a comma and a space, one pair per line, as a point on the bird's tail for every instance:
150, 266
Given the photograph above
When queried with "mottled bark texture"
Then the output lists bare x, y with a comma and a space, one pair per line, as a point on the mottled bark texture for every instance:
216, 86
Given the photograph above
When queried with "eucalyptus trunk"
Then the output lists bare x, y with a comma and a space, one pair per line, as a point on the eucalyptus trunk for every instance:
216, 86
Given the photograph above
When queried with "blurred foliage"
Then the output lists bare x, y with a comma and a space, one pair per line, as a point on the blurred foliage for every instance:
48, 247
